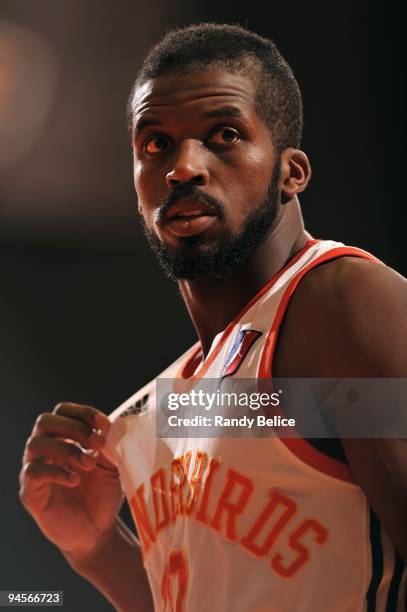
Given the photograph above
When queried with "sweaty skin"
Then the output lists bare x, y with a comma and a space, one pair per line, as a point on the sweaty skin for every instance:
190, 113
347, 318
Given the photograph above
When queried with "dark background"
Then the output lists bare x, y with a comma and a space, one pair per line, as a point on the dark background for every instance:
85, 314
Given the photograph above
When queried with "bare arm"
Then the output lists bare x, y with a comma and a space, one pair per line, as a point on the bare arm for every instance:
348, 319
116, 570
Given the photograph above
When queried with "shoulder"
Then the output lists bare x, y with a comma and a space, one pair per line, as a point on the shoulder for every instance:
348, 318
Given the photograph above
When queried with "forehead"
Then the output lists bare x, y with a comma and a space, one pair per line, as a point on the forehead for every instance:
194, 87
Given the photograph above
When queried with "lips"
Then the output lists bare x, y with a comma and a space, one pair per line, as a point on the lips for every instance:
189, 217
188, 209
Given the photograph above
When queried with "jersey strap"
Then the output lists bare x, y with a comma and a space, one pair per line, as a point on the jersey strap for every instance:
191, 363
297, 445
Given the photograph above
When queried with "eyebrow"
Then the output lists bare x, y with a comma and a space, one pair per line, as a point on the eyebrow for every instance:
225, 111
144, 123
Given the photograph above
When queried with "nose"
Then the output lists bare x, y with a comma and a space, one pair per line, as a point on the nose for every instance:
189, 165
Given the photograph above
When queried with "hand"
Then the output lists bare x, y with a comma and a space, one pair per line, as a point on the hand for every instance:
73, 496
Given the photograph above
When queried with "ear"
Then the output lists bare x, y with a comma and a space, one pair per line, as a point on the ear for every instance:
295, 173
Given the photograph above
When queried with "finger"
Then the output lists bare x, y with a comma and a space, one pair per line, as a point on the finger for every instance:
68, 428
35, 474
87, 414
105, 462
45, 447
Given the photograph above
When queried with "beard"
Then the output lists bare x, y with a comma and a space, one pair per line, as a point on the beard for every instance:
220, 258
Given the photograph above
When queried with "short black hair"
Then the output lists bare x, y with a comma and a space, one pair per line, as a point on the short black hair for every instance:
278, 97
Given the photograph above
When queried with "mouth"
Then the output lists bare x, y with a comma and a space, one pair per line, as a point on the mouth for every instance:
189, 217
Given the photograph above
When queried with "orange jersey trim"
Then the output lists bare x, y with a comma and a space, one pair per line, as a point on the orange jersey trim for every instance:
186, 366
297, 445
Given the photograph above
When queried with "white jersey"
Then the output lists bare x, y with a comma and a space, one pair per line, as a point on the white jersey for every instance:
250, 524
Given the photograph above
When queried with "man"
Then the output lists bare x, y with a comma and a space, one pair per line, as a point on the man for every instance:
246, 524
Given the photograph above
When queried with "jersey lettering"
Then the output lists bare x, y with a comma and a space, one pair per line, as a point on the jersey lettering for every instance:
270, 525
276, 501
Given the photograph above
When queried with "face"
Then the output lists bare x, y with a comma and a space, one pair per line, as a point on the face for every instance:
205, 171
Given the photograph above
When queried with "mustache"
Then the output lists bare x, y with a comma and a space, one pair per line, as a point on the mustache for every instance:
191, 192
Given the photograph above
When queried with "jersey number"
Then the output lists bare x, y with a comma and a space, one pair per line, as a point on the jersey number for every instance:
175, 572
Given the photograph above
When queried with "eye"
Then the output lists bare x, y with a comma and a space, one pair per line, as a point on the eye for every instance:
156, 144
224, 136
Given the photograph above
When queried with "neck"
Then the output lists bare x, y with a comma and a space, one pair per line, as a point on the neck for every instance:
212, 304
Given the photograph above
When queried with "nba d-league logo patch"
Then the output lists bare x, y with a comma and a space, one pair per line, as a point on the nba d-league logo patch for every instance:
241, 346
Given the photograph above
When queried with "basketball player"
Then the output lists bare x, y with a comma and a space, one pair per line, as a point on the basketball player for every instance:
235, 524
